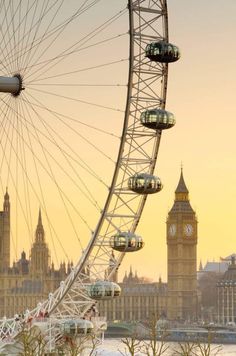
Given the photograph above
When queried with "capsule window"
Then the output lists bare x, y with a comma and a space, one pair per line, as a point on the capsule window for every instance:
140, 243
97, 292
126, 242
121, 241
176, 52
116, 293
156, 50
108, 293
152, 117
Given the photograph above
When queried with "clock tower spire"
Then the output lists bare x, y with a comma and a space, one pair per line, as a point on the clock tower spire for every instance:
182, 256
181, 192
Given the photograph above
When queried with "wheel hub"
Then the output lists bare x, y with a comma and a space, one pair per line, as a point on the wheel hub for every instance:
12, 85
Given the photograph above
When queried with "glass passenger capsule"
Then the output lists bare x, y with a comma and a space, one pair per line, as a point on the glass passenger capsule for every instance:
104, 290
126, 242
162, 52
144, 183
157, 119
76, 327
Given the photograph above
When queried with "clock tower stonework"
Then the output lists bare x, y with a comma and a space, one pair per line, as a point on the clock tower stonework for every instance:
182, 257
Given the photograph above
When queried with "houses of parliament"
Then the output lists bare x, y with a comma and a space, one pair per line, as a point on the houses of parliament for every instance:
28, 281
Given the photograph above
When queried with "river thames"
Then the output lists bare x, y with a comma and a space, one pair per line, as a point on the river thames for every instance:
116, 347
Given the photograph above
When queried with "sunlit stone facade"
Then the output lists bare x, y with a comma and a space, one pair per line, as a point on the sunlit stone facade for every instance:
27, 281
182, 239
227, 296
140, 300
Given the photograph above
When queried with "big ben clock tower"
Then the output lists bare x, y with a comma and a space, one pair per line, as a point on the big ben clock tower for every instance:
182, 256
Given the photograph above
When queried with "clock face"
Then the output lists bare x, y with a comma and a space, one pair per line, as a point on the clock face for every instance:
188, 229
172, 229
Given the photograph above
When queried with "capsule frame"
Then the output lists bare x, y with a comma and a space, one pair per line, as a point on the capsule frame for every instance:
102, 290
157, 119
143, 183
126, 242
162, 52
75, 327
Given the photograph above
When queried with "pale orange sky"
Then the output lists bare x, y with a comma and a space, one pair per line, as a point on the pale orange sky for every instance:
201, 92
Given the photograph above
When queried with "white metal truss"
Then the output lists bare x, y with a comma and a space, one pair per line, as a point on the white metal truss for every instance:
138, 152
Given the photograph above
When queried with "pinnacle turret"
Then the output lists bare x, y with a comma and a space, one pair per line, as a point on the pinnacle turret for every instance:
6, 196
6, 204
181, 188
40, 257
39, 234
130, 272
200, 266
40, 218
182, 203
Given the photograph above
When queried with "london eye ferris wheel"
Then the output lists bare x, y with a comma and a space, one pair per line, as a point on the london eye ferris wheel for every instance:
83, 105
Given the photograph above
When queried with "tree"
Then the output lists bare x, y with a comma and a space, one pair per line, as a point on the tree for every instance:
185, 349
156, 345
74, 346
30, 342
132, 345
207, 349
198, 348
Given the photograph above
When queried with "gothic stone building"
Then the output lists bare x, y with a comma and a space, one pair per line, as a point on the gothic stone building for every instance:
182, 257
226, 296
140, 300
27, 281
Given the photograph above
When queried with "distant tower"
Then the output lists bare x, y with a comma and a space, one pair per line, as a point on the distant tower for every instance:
182, 256
200, 266
40, 257
5, 235
110, 269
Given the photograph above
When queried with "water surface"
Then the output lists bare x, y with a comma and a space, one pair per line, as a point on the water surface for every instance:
112, 347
